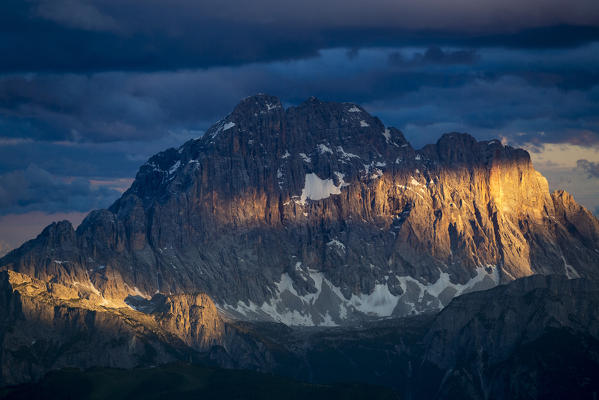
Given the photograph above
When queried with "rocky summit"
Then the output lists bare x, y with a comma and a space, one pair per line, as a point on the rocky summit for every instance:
314, 215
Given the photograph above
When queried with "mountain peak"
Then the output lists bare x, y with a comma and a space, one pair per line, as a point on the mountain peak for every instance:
257, 104
312, 100
461, 138
320, 214
58, 232
462, 148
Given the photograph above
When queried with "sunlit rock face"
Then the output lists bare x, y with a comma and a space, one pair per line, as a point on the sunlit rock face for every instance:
319, 215
193, 318
47, 325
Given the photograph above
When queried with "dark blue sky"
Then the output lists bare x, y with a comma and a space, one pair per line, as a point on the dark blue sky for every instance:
90, 88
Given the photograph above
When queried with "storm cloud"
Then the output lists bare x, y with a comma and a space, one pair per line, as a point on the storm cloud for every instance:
434, 55
425, 91
35, 189
485, 15
101, 35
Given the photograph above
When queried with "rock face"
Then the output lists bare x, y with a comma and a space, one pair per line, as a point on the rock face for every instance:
500, 319
193, 318
47, 325
317, 215
496, 343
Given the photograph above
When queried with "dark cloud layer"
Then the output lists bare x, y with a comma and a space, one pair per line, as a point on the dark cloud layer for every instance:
129, 16
477, 89
36, 189
434, 55
100, 35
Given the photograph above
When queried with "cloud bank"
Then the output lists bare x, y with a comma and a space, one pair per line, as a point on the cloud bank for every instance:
35, 189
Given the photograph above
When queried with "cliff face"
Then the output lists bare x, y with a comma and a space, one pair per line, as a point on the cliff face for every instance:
318, 215
193, 318
534, 338
46, 325
500, 319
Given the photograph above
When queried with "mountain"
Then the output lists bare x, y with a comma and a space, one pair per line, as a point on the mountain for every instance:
537, 337
319, 215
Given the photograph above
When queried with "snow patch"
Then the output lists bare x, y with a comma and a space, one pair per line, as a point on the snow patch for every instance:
354, 109
345, 154
379, 303
342, 311
571, 273
174, 168
220, 127
376, 172
323, 148
336, 243
228, 126
387, 134
318, 189
270, 106
444, 282
305, 157
340, 177
364, 124
286, 155
328, 321
278, 311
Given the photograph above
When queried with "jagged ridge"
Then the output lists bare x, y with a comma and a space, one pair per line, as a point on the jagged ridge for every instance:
319, 214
